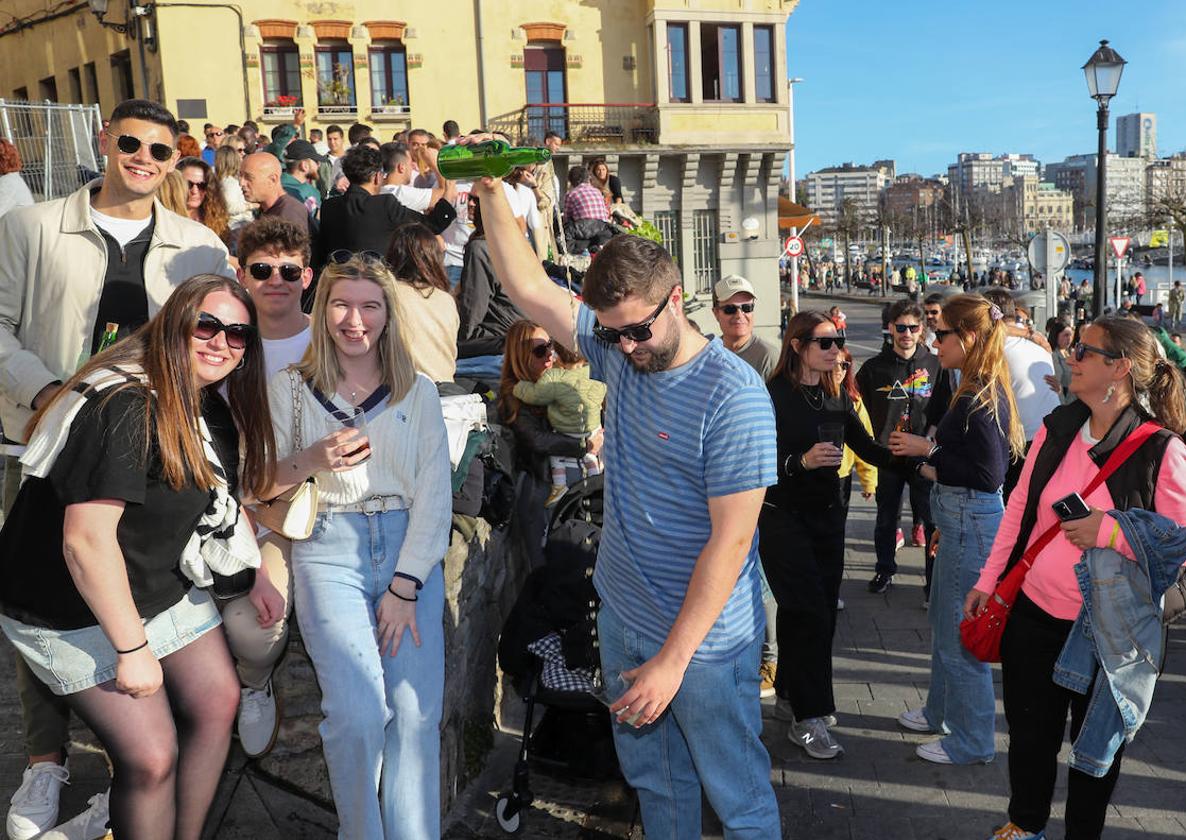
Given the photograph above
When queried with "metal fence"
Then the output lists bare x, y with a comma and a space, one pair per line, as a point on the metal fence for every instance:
581, 124
58, 144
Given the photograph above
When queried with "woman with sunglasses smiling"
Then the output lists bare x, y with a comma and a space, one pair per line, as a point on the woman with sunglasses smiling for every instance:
368, 583
973, 445
123, 491
205, 200
1120, 381
802, 523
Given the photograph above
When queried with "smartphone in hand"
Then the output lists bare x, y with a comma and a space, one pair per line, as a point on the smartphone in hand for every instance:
1072, 507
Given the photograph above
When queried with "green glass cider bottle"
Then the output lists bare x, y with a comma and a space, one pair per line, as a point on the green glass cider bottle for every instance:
110, 336
493, 157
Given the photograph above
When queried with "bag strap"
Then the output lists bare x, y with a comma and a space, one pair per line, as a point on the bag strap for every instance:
294, 381
1119, 455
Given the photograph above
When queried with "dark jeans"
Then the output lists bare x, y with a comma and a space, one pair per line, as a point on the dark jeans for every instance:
803, 556
1036, 710
890, 484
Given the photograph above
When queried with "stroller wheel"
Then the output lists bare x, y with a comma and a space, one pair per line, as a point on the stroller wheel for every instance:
507, 812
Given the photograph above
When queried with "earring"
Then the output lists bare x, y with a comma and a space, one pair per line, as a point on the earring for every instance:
243, 361
1108, 394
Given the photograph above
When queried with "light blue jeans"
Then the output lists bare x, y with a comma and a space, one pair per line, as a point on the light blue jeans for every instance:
710, 737
381, 733
960, 696
453, 272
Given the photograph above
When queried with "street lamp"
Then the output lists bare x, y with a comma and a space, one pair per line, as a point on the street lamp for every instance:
1103, 71
791, 82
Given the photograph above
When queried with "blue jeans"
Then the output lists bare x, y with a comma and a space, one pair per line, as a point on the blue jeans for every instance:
453, 272
483, 368
381, 733
710, 737
960, 696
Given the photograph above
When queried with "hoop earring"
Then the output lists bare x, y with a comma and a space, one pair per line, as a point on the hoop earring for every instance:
243, 361
1108, 394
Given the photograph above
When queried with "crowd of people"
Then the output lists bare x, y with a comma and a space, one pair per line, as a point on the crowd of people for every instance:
260, 317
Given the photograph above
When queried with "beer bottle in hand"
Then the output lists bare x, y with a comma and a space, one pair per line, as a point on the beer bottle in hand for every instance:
493, 157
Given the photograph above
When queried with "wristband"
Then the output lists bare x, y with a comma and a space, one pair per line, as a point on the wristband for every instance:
143, 645
1115, 534
411, 600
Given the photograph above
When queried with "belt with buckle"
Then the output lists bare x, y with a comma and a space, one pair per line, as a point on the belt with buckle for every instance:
371, 506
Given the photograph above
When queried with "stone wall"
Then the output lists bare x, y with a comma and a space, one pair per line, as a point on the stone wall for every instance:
483, 575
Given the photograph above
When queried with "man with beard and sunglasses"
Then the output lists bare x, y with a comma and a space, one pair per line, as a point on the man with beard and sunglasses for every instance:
109, 253
689, 449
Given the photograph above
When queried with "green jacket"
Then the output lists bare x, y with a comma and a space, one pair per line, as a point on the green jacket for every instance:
572, 397
306, 194
283, 134
1172, 351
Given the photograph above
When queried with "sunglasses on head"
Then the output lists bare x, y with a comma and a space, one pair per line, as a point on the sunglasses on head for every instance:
345, 255
264, 271
734, 308
826, 341
129, 145
1080, 351
637, 333
543, 350
902, 328
237, 335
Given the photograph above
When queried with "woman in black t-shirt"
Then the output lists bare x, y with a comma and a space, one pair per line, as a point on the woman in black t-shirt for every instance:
119, 476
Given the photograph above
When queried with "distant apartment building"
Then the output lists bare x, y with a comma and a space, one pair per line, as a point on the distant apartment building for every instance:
977, 173
911, 193
1136, 135
1028, 205
827, 189
1126, 186
1166, 179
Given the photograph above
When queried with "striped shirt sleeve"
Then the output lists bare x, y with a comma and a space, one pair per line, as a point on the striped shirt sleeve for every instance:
740, 446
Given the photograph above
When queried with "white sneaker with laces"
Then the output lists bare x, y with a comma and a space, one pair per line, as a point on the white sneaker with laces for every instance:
91, 824
915, 720
258, 720
933, 752
813, 736
34, 806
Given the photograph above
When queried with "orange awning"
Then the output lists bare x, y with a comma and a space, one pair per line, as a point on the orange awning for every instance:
792, 215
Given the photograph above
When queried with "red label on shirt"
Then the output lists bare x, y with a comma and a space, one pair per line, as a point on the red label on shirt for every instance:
664, 436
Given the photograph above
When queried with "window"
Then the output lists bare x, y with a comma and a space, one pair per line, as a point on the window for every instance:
21, 94
48, 88
720, 62
335, 77
121, 72
677, 62
544, 66
667, 221
389, 76
282, 74
706, 230
764, 63
75, 76
90, 81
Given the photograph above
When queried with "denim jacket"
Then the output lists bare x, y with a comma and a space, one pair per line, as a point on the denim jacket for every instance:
1119, 628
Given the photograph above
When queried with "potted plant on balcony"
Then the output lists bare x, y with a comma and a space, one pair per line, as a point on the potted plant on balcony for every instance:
334, 92
391, 106
281, 106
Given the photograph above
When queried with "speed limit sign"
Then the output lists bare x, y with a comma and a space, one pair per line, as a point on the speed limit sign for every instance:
793, 247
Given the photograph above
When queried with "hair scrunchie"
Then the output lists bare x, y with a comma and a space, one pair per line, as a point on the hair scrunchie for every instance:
995, 313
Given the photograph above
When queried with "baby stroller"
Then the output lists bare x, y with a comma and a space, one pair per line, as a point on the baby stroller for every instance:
548, 646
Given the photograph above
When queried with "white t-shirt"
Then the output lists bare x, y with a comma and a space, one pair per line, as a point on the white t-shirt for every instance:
279, 353
414, 198
459, 232
1028, 364
122, 231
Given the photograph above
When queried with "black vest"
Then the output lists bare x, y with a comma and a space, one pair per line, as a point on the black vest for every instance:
1133, 485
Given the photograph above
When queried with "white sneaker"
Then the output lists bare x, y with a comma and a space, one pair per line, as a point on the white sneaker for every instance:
91, 824
34, 806
915, 720
813, 736
933, 752
258, 720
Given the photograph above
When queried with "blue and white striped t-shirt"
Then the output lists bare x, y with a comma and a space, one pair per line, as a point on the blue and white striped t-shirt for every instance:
673, 439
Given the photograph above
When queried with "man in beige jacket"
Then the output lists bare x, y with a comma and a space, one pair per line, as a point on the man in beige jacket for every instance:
108, 253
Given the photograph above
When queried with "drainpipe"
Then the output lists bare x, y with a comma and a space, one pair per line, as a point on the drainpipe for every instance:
481, 64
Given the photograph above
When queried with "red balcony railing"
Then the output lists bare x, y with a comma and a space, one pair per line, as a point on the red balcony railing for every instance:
581, 123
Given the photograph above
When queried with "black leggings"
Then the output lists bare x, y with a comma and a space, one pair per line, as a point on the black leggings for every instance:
803, 556
167, 750
1036, 710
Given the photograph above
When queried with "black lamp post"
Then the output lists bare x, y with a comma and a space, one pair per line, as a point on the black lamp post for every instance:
1103, 71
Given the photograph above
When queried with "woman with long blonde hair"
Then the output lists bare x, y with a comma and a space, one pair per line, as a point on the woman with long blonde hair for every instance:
974, 442
368, 583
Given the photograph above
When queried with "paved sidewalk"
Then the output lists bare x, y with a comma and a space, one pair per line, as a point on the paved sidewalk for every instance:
879, 789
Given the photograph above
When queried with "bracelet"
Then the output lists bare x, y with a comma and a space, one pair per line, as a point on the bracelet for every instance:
1115, 534
143, 645
413, 599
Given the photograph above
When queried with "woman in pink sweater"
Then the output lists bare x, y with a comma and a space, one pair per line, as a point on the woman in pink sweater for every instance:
1119, 380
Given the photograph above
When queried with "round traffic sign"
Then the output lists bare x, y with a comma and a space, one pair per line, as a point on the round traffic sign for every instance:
793, 246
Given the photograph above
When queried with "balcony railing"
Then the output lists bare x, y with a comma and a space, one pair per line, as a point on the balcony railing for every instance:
591, 124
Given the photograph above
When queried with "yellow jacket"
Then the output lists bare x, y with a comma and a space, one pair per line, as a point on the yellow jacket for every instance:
866, 474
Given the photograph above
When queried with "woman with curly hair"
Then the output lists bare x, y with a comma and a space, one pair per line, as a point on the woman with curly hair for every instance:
204, 198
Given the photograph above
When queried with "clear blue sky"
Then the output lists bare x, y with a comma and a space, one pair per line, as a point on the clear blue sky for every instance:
919, 81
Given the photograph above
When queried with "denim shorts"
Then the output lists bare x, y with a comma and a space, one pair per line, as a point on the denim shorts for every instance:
69, 661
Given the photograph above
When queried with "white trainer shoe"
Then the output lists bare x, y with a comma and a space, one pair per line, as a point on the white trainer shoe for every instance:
34, 806
91, 824
915, 720
258, 720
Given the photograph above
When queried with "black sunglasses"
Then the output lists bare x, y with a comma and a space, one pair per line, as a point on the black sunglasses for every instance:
845, 365
901, 328
201, 185
264, 271
345, 255
942, 334
1080, 350
237, 335
826, 341
543, 350
637, 333
734, 308
129, 145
